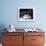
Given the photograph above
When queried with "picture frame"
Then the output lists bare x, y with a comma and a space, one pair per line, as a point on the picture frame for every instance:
26, 14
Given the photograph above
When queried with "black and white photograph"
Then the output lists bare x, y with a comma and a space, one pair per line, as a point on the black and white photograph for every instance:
26, 14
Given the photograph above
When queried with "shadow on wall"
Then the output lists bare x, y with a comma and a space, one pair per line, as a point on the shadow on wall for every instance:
2, 26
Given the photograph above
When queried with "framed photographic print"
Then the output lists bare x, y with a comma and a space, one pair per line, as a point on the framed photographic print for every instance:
26, 14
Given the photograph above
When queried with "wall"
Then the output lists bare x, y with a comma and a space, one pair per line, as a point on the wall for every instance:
8, 13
